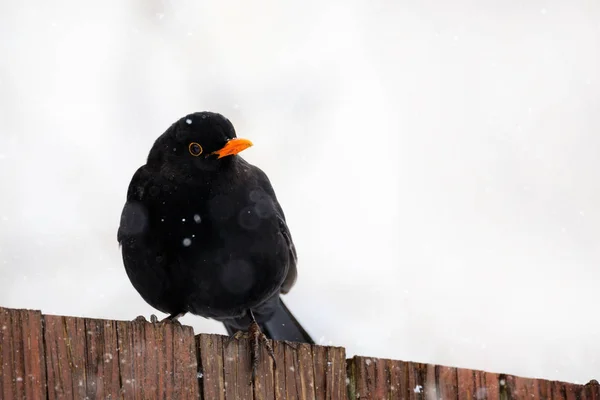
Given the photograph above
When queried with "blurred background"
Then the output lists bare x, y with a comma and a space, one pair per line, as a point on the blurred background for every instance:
437, 162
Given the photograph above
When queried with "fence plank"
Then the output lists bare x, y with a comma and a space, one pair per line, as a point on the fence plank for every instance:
22, 358
265, 386
157, 360
592, 390
210, 362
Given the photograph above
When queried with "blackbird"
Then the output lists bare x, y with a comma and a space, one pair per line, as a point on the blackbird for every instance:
202, 232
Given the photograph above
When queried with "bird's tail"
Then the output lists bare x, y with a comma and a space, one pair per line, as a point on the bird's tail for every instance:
282, 325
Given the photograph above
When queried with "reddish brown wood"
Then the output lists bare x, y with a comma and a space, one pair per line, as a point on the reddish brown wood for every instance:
279, 372
466, 384
544, 389
157, 360
210, 349
311, 372
558, 391
290, 371
237, 369
264, 385
58, 357
89, 358
65, 339
102, 359
592, 390
390, 379
337, 381
319, 371
306, 371
418, 387
406, 380
22, 366
447, 382
371, 378
491, 384
295, 373
301, 370
398, 378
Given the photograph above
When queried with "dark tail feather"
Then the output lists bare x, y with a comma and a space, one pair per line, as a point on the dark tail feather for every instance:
281, 326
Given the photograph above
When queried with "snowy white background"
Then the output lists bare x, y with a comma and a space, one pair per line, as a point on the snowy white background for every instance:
437, 162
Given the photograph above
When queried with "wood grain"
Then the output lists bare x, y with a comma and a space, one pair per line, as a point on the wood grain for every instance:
55, 357
210, 364
22, 357
100, 359
157, 360
301, 371
407, 380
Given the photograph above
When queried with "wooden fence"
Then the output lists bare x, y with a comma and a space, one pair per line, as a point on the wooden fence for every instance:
55, 357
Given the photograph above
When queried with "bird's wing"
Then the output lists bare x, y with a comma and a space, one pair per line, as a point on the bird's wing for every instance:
292, 273
134, 217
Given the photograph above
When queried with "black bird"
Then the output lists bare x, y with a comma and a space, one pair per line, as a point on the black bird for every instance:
202, 232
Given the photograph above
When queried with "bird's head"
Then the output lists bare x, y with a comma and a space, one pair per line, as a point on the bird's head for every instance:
198, 142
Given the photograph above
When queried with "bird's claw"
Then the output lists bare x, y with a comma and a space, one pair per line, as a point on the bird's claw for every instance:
170, 321
257, 336
173, 319
236, 336
140, 318
154, 319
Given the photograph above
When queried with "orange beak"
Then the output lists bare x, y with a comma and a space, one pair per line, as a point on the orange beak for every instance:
232, 147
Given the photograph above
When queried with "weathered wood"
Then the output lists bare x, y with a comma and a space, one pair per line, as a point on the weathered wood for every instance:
57, 357
22, 360
237, 374
279, 373
64, 339
313, 372
398, 378
210, 364
264, 385
591, 390
90, 358
301, 371
157, 360
406, 380
447, 383
418, 388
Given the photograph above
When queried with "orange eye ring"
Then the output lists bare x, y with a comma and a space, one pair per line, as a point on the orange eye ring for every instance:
195, 149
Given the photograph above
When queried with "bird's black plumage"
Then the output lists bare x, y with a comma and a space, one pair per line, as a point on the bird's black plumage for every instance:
202, 231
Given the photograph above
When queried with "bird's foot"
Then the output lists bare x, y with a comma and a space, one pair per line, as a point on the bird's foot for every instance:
236, 336
141, 318
256, 337
173, 318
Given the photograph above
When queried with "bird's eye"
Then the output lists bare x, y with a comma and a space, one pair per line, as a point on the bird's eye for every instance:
195, 149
